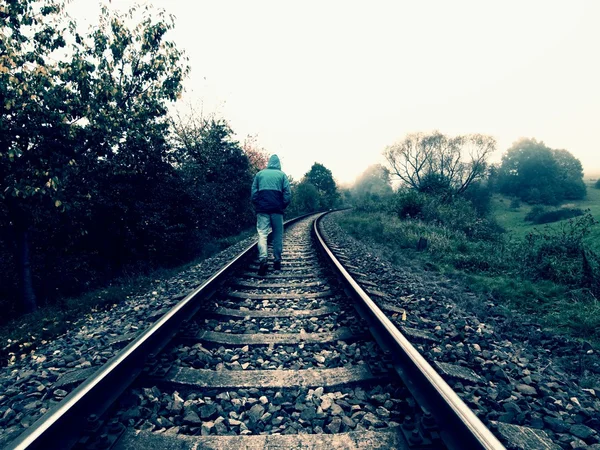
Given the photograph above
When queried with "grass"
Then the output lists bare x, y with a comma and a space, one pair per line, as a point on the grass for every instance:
486, 267
513, 219
49, 321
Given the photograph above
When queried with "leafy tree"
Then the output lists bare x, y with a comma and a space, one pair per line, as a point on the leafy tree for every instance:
98, 109
374, 183
322, 179
371, 188
218, 173
306, 197
538, 174
123, 79
34, 129
433, 162
570, 174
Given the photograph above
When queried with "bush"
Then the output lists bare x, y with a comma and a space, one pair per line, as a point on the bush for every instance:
455, 213
559, 214
556, 253
480, 196
461, 215
539, 215
408, 204
597, 184
515, 203
535, 212
435, 184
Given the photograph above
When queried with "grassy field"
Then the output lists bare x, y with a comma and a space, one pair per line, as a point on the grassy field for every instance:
513, 219
539, 279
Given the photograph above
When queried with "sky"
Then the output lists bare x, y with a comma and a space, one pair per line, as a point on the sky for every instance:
335, 82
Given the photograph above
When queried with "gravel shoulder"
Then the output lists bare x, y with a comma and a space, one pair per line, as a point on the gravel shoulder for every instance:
37, 379
530, 377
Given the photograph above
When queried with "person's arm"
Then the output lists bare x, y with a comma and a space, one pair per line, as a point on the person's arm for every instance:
254, 191
287, 192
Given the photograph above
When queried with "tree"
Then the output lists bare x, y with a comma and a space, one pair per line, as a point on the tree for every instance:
536, 173
124, 77
373, 184
322, 179
432, 161
34, 130
306, 198
101, 106
218, 173
570, 174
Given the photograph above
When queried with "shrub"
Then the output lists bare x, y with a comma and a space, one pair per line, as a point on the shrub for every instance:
435, 184
539, 215
515, 203
460, 215
597, 184
556, 253
534, 213
408, 204
480, 196
559, 214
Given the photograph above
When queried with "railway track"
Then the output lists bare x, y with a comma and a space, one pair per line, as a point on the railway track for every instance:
296, 358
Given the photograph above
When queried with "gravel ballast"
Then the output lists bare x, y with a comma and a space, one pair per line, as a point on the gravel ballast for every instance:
27, 383
528, 377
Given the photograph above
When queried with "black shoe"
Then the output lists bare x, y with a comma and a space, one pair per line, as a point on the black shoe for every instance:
277, 265
262, 269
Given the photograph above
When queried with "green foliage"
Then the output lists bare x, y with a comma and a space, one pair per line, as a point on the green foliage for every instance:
217, 176
515, 203
93, 188
322, 179
538, 174
555, 253
597, 184
535, 212
552, 273
539, 215
305, 198
435, 184
98, 109
408, 203
34, 130
480, 196
545, 275
456, 213
372, 187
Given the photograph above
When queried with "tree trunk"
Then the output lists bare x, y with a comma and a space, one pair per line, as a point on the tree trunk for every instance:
22, 258
24, 270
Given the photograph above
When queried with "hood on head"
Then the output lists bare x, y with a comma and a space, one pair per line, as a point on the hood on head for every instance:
274, 162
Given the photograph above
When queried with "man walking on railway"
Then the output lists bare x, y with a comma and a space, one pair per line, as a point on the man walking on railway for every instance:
271, 194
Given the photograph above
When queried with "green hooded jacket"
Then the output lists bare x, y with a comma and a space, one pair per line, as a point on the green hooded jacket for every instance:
271, 192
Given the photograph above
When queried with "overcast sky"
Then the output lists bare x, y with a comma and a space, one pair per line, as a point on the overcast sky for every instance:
335, 82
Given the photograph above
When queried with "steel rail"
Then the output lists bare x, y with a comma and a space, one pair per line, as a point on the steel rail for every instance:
54, 430
460, 428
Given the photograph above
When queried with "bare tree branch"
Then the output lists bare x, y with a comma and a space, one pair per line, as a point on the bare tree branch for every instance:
459, 160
